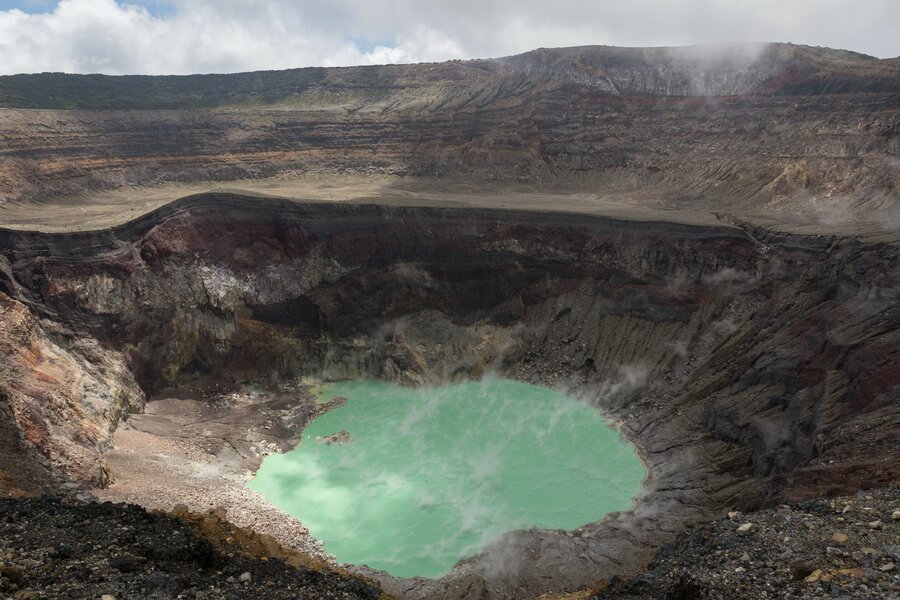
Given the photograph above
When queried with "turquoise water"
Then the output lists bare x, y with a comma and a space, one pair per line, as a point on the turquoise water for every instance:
430, 475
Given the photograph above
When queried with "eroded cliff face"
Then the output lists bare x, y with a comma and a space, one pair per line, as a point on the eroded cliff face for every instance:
250, 287
64, 395
747, 366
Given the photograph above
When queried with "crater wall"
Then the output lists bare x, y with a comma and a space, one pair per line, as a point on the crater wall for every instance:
748, 367
734, 127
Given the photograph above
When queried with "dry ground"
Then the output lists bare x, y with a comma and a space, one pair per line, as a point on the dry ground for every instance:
106, 209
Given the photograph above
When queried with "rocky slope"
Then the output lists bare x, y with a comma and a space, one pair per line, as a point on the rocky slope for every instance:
749, 367
61, 550
837, 548
767, 127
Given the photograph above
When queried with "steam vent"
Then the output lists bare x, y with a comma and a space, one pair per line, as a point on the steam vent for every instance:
591, 322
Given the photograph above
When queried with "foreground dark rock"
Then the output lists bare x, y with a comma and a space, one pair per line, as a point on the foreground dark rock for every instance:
819, 549
826, 548
52, 549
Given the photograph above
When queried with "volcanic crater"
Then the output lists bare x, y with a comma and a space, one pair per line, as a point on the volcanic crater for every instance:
750, 363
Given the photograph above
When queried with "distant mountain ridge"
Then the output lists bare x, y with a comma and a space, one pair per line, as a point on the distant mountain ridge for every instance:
689, 71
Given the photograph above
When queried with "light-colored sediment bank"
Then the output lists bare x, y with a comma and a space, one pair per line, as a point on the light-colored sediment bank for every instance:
200, 454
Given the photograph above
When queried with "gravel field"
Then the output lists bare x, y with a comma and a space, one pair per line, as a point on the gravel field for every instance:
847, 547
55, 549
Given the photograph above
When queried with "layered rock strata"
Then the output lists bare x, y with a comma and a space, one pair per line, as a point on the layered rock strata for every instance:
734, 128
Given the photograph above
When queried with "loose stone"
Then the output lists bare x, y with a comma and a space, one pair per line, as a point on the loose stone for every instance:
14, 574
801, 570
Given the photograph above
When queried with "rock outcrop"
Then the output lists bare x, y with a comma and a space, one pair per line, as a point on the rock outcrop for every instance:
65, 395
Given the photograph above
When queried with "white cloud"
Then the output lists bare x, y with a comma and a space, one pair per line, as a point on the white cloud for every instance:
238, 35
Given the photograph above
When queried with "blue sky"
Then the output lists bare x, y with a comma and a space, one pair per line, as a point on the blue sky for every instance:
156, 7
203, 36
29, 6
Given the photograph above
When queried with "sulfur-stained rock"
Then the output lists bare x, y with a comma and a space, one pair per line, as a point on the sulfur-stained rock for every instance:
66, 396
340, 437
